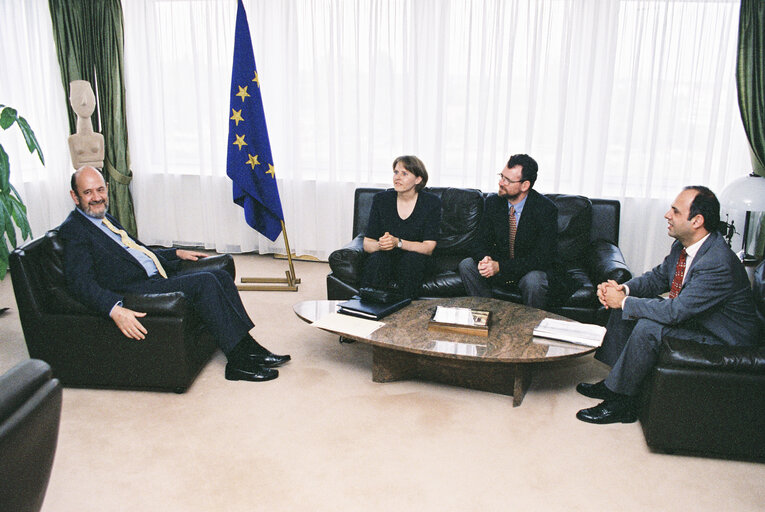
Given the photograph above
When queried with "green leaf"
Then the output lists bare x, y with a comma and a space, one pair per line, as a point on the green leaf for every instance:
6, 224
3, 258
10, 230
3, 213
29, 137
5, 170
14, 191
7, 117
19, 213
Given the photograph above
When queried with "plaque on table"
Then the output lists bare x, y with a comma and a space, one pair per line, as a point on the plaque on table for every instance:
460, 320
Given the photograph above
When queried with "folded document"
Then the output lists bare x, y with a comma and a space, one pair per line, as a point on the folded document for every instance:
573, 332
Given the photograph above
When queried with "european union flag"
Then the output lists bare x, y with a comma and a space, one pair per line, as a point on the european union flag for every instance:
249, 163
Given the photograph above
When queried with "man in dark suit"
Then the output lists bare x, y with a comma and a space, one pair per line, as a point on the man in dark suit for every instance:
517, 242
710, 301
102, 263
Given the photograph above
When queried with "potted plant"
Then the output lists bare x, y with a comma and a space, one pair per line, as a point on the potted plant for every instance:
13, 213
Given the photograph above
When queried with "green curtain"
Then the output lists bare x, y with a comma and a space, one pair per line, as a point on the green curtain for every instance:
750, 78
89, 44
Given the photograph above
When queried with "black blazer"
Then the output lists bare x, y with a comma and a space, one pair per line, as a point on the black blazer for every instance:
536, 239
97, 268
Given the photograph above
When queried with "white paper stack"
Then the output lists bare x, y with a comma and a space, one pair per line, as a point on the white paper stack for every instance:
574, 332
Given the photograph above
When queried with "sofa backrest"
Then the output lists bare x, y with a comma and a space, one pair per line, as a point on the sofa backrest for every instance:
605, 220
574, 222
594, 219
39, 283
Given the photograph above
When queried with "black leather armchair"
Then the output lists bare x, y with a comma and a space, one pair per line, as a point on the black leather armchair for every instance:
709, 399
30, 410
588, 236
86, 350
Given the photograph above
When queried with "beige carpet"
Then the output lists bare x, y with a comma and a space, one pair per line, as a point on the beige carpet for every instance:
324, 437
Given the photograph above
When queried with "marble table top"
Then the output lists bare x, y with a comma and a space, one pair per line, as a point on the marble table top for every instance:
510, 337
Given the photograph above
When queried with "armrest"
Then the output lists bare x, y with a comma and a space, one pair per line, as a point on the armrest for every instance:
172, 304
347, 263
676, 352
217, 262
606, 262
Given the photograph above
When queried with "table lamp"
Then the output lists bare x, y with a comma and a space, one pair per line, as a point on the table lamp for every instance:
746, 196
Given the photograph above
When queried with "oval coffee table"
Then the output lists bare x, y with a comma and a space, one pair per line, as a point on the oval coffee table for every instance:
404, 348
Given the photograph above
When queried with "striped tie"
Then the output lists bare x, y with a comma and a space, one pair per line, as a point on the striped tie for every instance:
130, 243
677, 281
513, 228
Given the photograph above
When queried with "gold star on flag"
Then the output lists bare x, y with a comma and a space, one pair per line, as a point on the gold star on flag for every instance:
252, 161
237, 116
242, 92
239, 141
271, 171
256, 79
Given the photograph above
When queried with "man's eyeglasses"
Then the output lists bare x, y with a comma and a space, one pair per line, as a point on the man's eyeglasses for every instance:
508, 181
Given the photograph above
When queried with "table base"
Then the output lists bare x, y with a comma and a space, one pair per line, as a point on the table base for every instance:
505, 378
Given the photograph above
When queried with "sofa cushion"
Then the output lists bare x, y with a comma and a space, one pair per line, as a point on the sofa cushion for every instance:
679, 353
444, 284
583, 294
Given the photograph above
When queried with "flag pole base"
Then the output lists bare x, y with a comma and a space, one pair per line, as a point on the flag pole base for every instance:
270, 284
274, 284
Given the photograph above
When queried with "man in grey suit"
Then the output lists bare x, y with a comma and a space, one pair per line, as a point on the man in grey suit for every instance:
710, 301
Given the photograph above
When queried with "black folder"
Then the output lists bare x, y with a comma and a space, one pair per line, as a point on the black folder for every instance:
370, 310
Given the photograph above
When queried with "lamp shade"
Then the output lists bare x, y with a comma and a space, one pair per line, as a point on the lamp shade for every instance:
744, 194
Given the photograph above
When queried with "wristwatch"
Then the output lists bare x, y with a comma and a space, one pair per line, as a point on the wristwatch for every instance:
400, 243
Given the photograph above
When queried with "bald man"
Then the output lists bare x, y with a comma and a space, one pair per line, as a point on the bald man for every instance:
709, 300
102, 263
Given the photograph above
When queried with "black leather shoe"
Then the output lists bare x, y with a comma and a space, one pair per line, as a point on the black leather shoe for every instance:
597, 390
268, 360
616, 410
242, 370
258, 354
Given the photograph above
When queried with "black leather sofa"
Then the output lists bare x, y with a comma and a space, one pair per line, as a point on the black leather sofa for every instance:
86, 350
30, 411
588, 237
709, 399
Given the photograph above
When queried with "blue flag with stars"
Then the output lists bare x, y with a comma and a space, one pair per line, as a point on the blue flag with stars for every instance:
249, 163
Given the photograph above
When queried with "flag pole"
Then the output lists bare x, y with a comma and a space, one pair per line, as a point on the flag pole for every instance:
274, 284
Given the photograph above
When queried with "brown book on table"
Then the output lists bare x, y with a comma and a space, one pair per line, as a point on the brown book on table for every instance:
460, 320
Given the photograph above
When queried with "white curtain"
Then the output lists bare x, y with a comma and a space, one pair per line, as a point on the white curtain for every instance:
630, 99
31, 83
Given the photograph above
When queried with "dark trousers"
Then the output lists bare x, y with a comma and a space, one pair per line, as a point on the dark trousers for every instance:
534, 285
213, 297
631, 348
405, 268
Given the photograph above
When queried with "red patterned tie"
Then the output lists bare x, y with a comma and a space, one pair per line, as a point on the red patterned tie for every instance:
513, 228
677, 281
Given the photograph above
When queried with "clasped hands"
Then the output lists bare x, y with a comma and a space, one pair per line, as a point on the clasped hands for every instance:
127, 319
487, 267
387, 242
611, 294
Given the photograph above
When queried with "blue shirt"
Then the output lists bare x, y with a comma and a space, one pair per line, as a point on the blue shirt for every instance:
145, 261
518, 209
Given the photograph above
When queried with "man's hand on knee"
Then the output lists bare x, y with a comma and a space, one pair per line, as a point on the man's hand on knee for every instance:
127, 322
